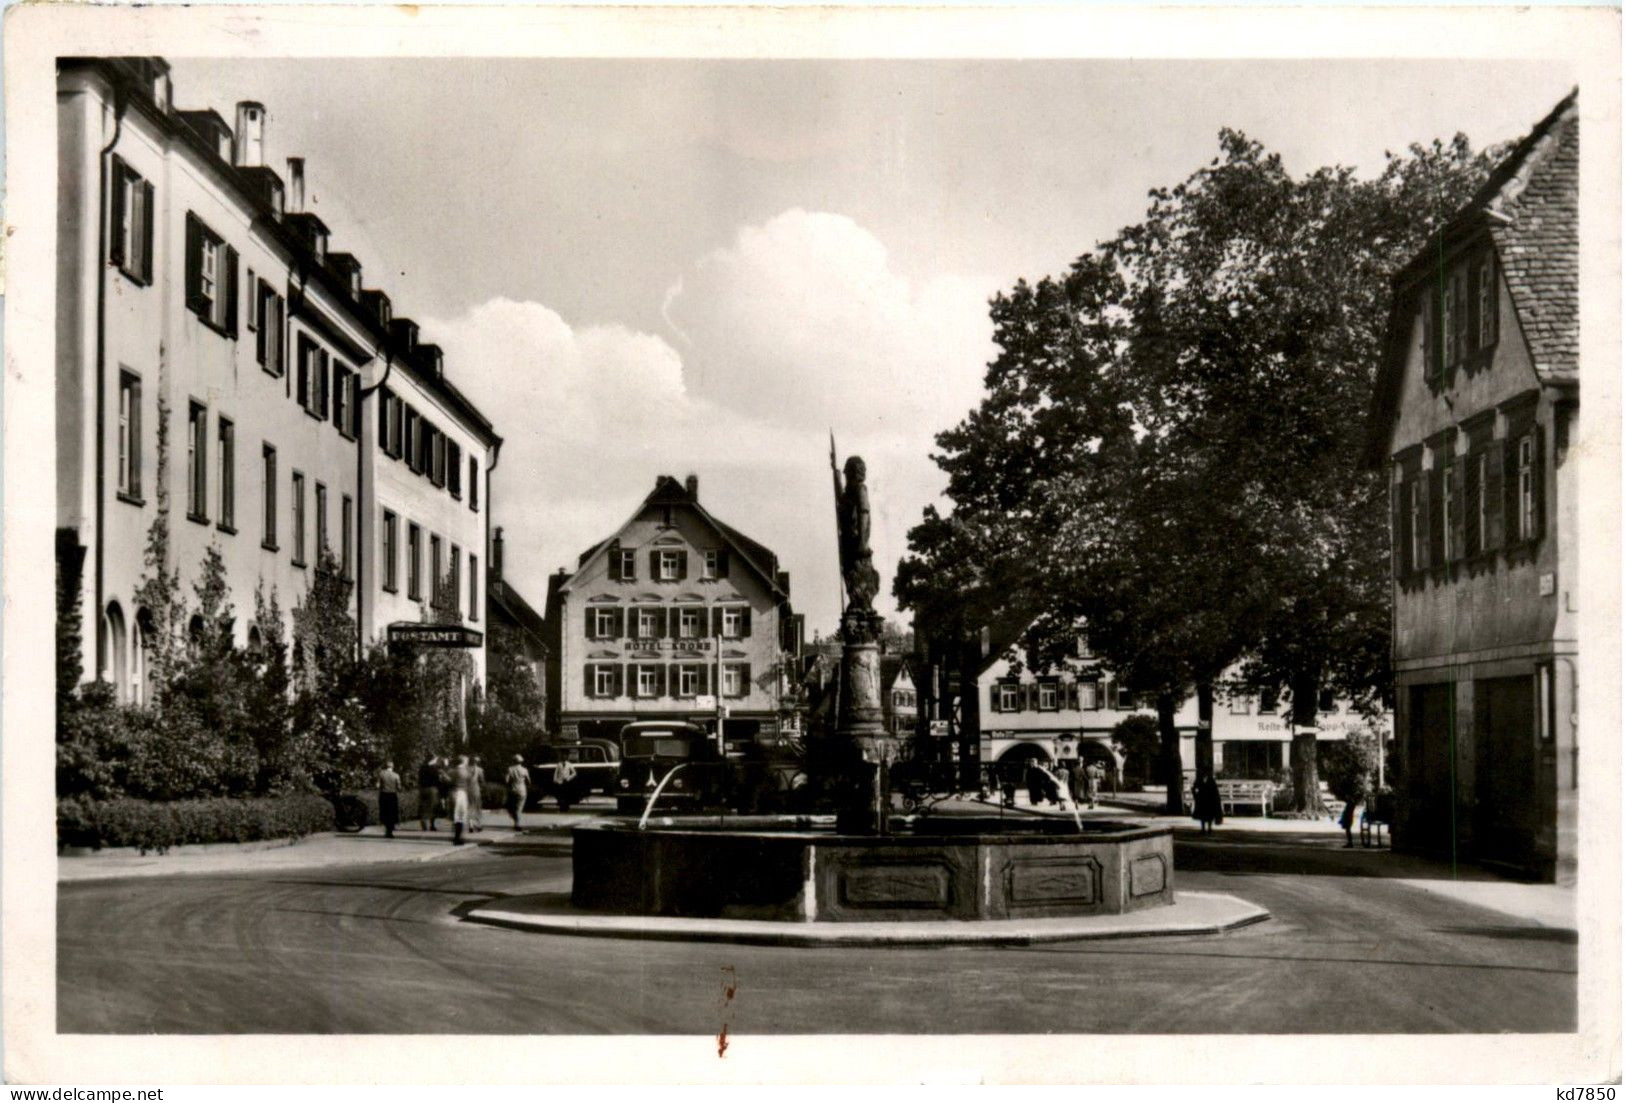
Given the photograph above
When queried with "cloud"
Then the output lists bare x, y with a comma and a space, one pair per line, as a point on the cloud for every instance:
800, 325
803, 320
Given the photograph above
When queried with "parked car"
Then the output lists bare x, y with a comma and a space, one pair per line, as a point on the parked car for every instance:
651, 750
594, 766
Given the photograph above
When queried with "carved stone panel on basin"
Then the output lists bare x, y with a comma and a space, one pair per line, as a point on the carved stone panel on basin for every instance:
897, 885
1147, 875
1046, 882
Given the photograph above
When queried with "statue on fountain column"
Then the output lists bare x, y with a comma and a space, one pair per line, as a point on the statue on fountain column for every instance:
852, 518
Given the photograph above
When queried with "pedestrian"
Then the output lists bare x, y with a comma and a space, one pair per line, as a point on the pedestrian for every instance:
518, 780
1091, 782
476, 795
443, 783
1351, 815
1205, 803
1035, 784
461, 777
564, 776
428, 793
389, 799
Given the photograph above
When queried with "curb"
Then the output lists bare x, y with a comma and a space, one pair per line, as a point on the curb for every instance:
112, 873
1225, 913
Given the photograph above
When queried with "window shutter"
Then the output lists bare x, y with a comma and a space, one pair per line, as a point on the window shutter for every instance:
744, 679
618, 624
1491, 321
663, 621
231, 288
1537, 475
722, 562
1435, 516
682, 565
620, 679
587, 686
744, 623
716, 621
1494, 496
1458, 499
654, 566
1423, 549
1072, 696
1470, 308
993, 698
1396, 526
615, 561
146, 231
592, 623
1511, 507
660, 680
674, 680
253, 315
115, 252
194, 265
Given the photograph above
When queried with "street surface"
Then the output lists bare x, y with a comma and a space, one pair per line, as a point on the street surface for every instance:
381, 947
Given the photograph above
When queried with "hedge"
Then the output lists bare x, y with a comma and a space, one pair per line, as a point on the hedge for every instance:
159, 825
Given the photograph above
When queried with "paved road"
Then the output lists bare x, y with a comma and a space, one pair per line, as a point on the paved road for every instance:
382, 948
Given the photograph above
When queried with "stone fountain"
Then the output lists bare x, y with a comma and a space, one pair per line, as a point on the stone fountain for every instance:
856, 861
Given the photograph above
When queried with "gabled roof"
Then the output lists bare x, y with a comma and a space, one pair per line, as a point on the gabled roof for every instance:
1530, 207
669, 492
500, 592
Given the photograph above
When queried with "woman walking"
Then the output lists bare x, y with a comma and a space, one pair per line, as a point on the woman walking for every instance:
518, 780
1206, 805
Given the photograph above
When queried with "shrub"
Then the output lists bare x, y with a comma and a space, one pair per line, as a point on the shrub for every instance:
154, 825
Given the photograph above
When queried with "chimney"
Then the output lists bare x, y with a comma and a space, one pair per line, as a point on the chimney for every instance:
496, 556
250, 134
296, 186
692, 485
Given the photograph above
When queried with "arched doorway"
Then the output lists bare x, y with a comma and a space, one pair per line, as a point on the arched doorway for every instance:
115, 661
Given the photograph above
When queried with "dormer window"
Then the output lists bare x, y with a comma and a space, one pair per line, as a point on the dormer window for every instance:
1459, 313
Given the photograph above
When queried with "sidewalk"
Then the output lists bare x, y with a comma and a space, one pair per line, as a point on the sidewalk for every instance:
410, 844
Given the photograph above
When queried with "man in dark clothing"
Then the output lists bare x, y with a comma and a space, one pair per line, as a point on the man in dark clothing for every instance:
444, 783
389, 799
428, 793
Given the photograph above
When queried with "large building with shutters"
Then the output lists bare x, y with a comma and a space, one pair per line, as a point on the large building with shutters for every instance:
1473, 415
222, 370
675, 616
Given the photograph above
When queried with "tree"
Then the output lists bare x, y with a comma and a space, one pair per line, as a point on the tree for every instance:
510, 717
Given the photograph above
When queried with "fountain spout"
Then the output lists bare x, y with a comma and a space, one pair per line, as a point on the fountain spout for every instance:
1061, 788
643, 820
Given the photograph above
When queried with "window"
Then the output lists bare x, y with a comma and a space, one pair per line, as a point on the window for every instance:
473, 587
1477, 504
648, 624
602, 679
454, 589
197, 462
1459, 314
211, 277
473, 484
129, 437
321, 522
1448, 513
268, 496
437, 457
1089, 695
392, 536
733, 680
1009, 697
298, 519
454, 468
1240, 704
414, 562
735, 622
648, 681
434, 569
709, 570
311, 380
1049, 697
628, 563
1268, 701
604, 623
227, 441
1125, 699
409, 439
132, 223
344, 400
667, 565
1417, 520
688, 623
269, 315
688, 681
1326, 702
346, 535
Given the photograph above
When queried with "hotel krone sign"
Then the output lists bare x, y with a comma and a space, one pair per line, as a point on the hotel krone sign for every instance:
660, 643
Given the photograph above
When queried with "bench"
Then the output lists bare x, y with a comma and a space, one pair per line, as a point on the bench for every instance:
1234, 793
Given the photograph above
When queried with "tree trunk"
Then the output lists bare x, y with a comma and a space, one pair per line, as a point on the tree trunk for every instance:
1305, 751
1204, 728
1173, 768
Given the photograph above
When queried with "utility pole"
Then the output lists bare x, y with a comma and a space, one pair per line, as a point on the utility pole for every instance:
716, 643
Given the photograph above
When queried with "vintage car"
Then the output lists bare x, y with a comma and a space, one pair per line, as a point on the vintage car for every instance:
683, 755
593, 767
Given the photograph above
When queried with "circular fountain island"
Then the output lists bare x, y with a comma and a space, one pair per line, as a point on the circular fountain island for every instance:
857, 873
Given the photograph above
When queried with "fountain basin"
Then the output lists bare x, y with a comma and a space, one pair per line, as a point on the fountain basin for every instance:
797, 869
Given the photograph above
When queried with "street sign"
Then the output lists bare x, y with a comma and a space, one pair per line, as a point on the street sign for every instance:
417, 634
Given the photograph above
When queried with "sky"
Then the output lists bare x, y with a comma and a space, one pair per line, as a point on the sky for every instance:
647, 267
